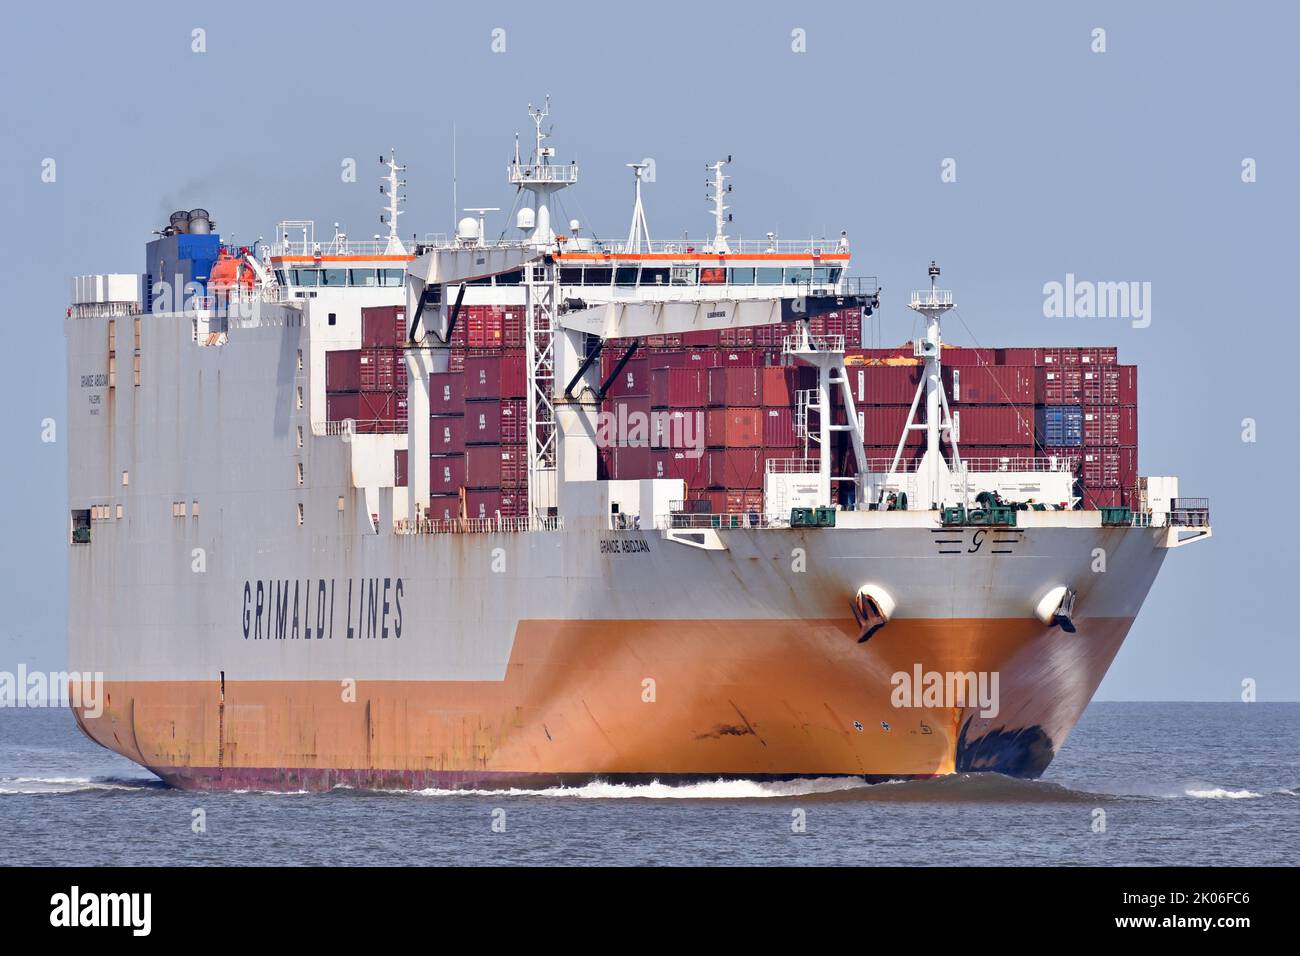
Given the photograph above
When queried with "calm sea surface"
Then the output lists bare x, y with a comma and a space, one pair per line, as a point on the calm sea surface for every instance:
1199, 784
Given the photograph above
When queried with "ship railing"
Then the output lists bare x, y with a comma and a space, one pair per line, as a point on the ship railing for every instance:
498, 524
1190, 512
865, 287
360, 426
98, 310
793, 466
691, 247
980, 465
688, 520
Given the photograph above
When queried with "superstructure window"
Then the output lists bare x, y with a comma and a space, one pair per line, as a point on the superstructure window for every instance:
798, 276
625, 276
654, 277
741, 276
364, 278
334, 277
571, 275
685, 275
511, 278
81, 526
597, 275
305, 277
391, 277
713, 276
281, 277
821, 275
769, 276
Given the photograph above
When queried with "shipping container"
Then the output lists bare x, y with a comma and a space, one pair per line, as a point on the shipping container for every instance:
447, 393
446, 474
343, 370
495, 376
399, 467
496, 422
340, 406
447, 435
779, 385
884, 384
778, 428
1128, 384
990, 385
1094, 498
495, 466
630, 463
1061, 425
679, 387
1109, 425
744, 502
380, 368
734, 428
957, 356
383, 327
734, 468
678, 428
691, 466
735, 386
1017, 356
494, 504
1060, 385
375, 410
1107, 355
695, 340
444, 507
994, 424
632, 380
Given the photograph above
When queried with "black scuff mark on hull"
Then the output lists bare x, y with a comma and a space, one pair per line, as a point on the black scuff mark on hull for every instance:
726, 730
1025, 752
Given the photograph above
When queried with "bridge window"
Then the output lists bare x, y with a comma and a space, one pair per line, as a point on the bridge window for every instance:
365, 278
334, 277
798, 276
511, 278
654, 277
597, 275
685, 275
81, 526
713, 276
741, 276
769, 276
821, 275
625, 276
305, 277
571, 275
391, 277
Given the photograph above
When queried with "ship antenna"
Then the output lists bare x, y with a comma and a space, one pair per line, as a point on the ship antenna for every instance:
719, 191
639, 230
395, 200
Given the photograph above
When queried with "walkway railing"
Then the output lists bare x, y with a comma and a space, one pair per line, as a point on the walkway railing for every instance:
494, 525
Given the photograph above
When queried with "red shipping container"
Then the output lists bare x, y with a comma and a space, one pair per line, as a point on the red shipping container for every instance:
633, 380
447, 393
692, 467
1106, 425
484, 326
715, 500
679, 388
993, 384
1128, 386
631, 463
343, 370
734, 428
778, 387
495, 376
680, 428
710, 339
741, 358
456, 360
399, 467
883, 425
778, 428
1060, 386
446, 474
447, 435
744, 502
495, 466
340, 406
968, 357
513, 327
495, 422
383, 326
484, 504
884, 384
1094, 498
1029, 357
994, 424
379, 369
736, 468
1065, 357
443, 507
736, 385
1107, 355
376, 409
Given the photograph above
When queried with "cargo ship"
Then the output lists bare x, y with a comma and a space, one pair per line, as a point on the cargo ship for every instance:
464, 512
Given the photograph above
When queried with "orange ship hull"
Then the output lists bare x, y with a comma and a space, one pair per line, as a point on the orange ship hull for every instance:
623, 700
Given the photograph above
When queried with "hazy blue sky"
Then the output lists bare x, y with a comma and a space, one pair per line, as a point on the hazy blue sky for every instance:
1124, 165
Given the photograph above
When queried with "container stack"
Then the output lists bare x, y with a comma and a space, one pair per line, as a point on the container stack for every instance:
368, 385
712, 408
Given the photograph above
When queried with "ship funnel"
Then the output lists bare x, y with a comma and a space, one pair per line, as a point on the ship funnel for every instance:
180, 221
200, 224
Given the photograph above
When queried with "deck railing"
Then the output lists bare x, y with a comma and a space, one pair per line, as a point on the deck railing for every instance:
493, 525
